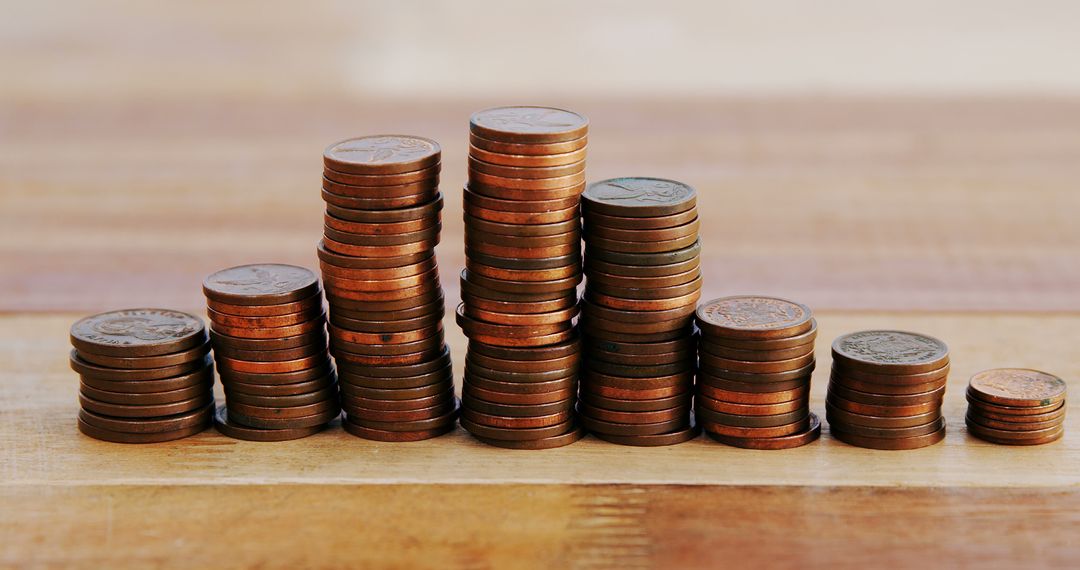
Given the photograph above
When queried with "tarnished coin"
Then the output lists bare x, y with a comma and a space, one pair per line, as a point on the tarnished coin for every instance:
890, 433
527, 160
1017, 387
190, 419
135, 374
381, 179
145, 398
152, 437
597, 426
664, 258
642, 223
239, 431
146, 411
839, 416
203, 376
892, 352
529, 149
889, 443
516, 434
528, 125
550, 442
138, 332
382, 154
376, 434
302, 306
261, 284
753, 317
525, 171
340, 205
422, 210
638, 197
143, 362
798, 439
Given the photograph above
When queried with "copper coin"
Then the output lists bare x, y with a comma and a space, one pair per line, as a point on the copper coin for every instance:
543, 252
388, 327
396, 393
758, 378
434, 411
238, 431
423, 235
517, 290
226, 342
294, 400
592, 264
597, 379
272, 355
518, 410
477, 239
889, 444
340, 205
613, 428
889, 433
973, 416
131, 375
305, 387
754, 398
389, 251
415, 425
438, 362
636, 371
400, 316
1037, 438
426, 379
477, 305
346, 360
642, 304
375, 434
753, 409
481, 180
674, 346
596, 243
655, 440
527, 353
753, 317
147, 398
433, 342
275, 412
883, 411
482, 167
689, 229
1017, 387
936, 375
527, 160
550, 442
522, 274
548, 387
423, 210
404, 294
515, 229
189, 419
685, 313
528, 125
276, 379
357, 306
528, 149
633, 417
652, 293
635, 405
225, 320
202, 376
619, 281
792, 428
145, 411
799, 439
261, 284
640, 223
426, 187
758, 355
382, 154
402, 337
886, 389
196, 354
891, 352
525, 194
475, 327
316, 324
514, 422
599, 355
1012, 410
806, 339
645, 259
704, 379
708, 361
516, 434
523, 264
621, 393
397, 405
592, 323
990, 414
431, 170
301, 306
510, 365
138, 332
475, 370
469, 391
850, 418
638, 197
418, 268
319, 419
659, 337
935, 395
125, 437
706, 415
381, 228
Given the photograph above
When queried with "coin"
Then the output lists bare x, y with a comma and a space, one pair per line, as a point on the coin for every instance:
319, 419
407, 426
427, 209
661, 235
528, 125
504, 192
710, 362
753, 398
261, 284
515, 434
397, 179
376, 434
795, 427
146, 398
303, 387
137, 374
363, 402
593, 218
529, 149
550, 442
301, 306
527, 171
757, 355
706, 380
396, 393
527, 160
185, 420
891, 433
1017, 387
799, 439
340, 205
1012, 410
637, 258
471, 391
887, 389
145, 411
382, 154
707, 415
973, 416
889, 443
202, 376
638, 197
838, 415
984, 412
143, 362
239, 431
753, 317
138, 332
272, 333
612, 428
127, 437
264, 378
224, 320
893, 352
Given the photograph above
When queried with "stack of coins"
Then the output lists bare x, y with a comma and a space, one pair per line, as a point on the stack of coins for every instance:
523, 265
268, 329
643, 283
383, 218
886, 389
753, 386
146, 375
1016, 406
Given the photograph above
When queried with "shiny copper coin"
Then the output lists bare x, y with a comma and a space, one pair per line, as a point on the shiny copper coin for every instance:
396, 393
527, 353
522, 274
379, 250
520, 264
935, 395
409, 270
689, 229
479, 179
850, 418
415, 335
145, 411
638, 197
704, 379
474, 305
889, 433
438, 362
414, 311
475, 370
891, 352
637, 405
648, 283
505, 193
655, 440
469, 391
294, 400
985, 412
305, 387
433, 344
337, 203
889, 443
516, 434
226, 343
621, 393
517, 410
375, 434
551, 442
753, 409
543, 252
473, 326
1017, 387
426, 379
528, 149
638, 247
1002, 437
427, 234
595, 324
202, 376
883, 411
380, 326
476, 239
147, 398
193, 418
346, 360
397, 179
516, 422
415, 425
316, 324
891, 379
380, 229
276, 379
482, 167
420, 210
685, 313
1013, 410
708, 361
758, 355
633, 417
642, 304
137, 332
680, 345
706, 415
301, 306
125, 437
426, 187
148, 362
640, 223
886, 389
798, 426
811, 434
527, 160
613, 428
397, 405
532, 388
320, 419
528, 125
753, 317
640, 271
478, 284
597, 379
664, 258
651, 293
274, 412
973, 416
522, 230
261, 284
806, 339
131, 375
356, 306
641, 359
224, 320
754, 398
636, 371
761, 378
382, 154
238, 431
404, 294
509, 365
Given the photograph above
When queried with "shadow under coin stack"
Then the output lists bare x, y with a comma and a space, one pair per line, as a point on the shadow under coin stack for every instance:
886, 390
146, 375
268, 329
756, 356
1016, 406
643, 284
383, 219
523, 266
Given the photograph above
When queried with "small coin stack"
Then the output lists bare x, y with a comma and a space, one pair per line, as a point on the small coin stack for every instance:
643, 283
1016, 406
146, 375
383, 219
268, 329
886, 389
753, 386
523, 265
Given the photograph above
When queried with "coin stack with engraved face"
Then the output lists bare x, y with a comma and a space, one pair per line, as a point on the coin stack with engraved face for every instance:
643, 283
886, 389
523, 265
268, 329
753, 386
1016, 406
383, 218
146, 375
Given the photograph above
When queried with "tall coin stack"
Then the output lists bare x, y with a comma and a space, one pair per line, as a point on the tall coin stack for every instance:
383, 218
523, 266
268, 329
1016, 406
886, 389
643, 283
753, 386
146, 375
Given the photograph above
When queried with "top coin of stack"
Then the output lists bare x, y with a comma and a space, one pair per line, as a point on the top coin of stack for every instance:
523, 265
886, 389
756, 356
644, 281
383, 218
145, 375
1016, 406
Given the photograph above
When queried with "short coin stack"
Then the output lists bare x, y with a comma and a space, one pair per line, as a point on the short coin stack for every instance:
886, 389
146, 375
523, 265
753, 387
643, 283
268, 329
1016, 406
383, 219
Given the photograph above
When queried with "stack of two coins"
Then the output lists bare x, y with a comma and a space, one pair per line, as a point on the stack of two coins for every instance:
886, 389
268, 329
523, 266
383, 219
145, 375
1016, 406
643, 283
753, 387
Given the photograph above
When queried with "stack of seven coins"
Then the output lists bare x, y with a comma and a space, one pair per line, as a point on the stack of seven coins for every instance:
383, 219
886, 389
643, 284
753, 386
268, 329
145, 375
523, 265
1016, 406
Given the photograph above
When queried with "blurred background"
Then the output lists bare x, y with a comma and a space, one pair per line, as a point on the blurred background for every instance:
850, 155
